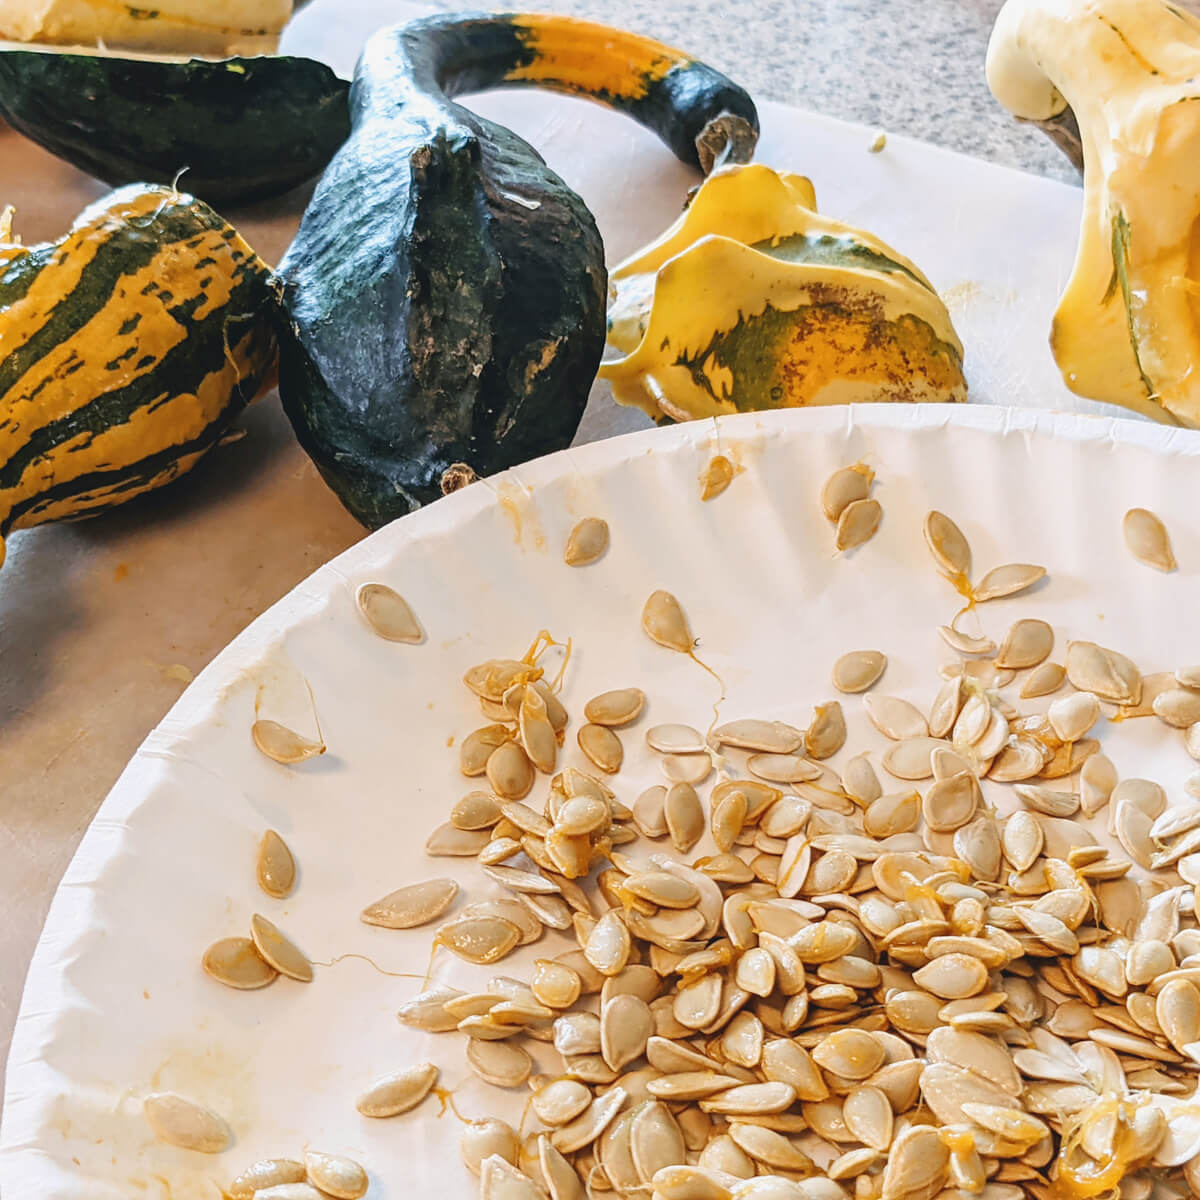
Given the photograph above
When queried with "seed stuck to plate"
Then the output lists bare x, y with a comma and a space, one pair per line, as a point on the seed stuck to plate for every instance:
858, 523
275, 868
1148, 540
283, 745
950, 549
716, 477
411, 906
664, 623
615, 708
858, 670
602, 746
388, 613
844, 487
964, 643
236, 962
587, 542
186, 1124
282, 954
481, 939
510, 772
1106, 673
1007, 580
398, 1093
336, 1176
264, 1174
1044, 680
1028, 643
500, 1063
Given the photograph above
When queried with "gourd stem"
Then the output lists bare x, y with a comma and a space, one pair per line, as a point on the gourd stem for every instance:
705, 118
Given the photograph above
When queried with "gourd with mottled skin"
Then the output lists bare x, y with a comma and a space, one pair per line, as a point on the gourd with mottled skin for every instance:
126, 348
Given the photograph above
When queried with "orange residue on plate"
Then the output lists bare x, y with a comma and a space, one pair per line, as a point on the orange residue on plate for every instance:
120, 571
516, 504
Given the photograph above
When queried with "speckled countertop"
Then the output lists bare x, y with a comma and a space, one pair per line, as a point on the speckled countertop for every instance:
908, 66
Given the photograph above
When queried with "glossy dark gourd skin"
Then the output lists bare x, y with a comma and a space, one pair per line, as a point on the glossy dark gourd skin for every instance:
240, 129
444, 298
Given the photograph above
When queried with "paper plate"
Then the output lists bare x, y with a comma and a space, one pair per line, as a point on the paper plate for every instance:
116, 1004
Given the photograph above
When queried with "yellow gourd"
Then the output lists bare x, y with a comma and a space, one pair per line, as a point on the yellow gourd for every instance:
751, 300
212, 27
1127, 327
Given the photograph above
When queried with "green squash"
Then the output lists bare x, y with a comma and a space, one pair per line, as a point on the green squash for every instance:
445, 293
239, 129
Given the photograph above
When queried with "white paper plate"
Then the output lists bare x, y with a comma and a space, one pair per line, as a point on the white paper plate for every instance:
116, 1004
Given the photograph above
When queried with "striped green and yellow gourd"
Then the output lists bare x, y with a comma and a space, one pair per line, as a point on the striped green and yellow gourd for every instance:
126, 348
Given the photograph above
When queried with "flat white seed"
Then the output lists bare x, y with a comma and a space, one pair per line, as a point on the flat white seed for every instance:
626, 1024
398, 1093
335, 1175
663, 889
655, 1140
479, 939
947, 704
1108, 674
591, 1123
663, 622
279, 951
895, 718
685, 816
859, 780
275, 867
587, 542
867, 1112
964, 643
608, 945
850, 1053
649, 813
555, 984
602, 746
1097, 778
388, 613
858, 523
266, 1173
946, 543
427, 1011
560, 1101
236, 962
766, 1146
1188, 676
560, 1177
1072, 716
186, 1124
408, 907
686, 768
1022, 840
1022, 758
290, 1191
676, 739
950, 803
583, 815
538, 738
1027, 643
510, 772
1007, 580
911, 758
827, 733
1179, 707
487, 1138
519, 880
615, 708
477, 748
766, 737
500, 1180
952, 976
751, 1099
500, 1063
844, 487
783, 768
284, 745
1043, 680
1148, 540
858, 670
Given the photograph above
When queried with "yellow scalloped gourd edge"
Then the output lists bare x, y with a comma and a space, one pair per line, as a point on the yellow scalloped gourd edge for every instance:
751, 300
1127, 326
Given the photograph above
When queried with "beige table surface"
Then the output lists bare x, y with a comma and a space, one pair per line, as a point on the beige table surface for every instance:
102, 623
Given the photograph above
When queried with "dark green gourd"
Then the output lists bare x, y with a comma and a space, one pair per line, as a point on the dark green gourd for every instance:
445, 295
240, 129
